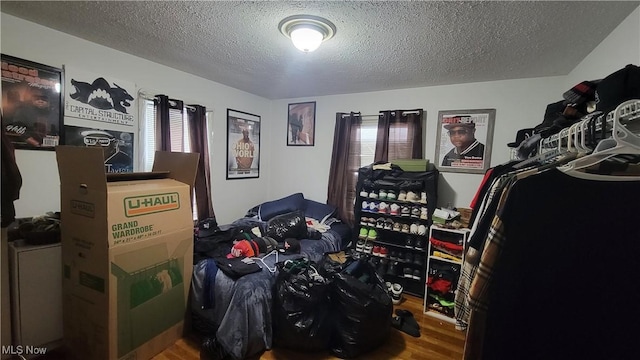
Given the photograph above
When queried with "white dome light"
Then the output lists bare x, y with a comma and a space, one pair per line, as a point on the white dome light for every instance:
306, 39
307, 32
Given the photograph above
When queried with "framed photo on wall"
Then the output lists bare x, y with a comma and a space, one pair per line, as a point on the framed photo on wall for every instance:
464, 139
32, 104
301, 124
243, 145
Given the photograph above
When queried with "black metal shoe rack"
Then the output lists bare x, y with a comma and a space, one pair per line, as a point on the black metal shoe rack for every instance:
405, 260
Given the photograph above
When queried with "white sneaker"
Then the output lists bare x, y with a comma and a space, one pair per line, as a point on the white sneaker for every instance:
402, 196
423, 198
365, 206
422, 230
424, 213
391, 195
414, 228
396, 293
383, 208
395, 209
364, 193
412, 196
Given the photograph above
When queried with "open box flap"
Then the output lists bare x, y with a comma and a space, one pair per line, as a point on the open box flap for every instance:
182, 166
81, 166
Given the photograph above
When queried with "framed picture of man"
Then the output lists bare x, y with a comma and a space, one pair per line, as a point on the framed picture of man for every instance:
463, 143
301, 124
32, 104
243, 145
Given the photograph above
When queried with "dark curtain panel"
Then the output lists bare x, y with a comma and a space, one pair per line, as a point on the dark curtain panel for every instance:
345, 162
399, 135
163, 134
198, 134
169, 118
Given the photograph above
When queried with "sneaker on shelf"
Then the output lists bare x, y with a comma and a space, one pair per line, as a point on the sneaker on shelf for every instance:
365, 206
360, 245
363, 233
413, 229
412, 196
372, 235
397, 226
384, 252
418, 259
368, 248
407, 273
423, 198
372, 222
419, 244
402, 196
415, 212
388, 224
424, 213
422, 230
363, 221
373, 207
393, 268
376, 250
416, 274
373, 194
391, 195
394, 209
382, 195
405, 228
404, 211
408, 243
396, 293
380, 223
393, 255
364, 192
383, 208
388, 285
381, 269
408, 257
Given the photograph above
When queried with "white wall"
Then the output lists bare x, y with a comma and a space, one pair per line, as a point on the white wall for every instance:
284, 170
518, 104
40, 191
620, 48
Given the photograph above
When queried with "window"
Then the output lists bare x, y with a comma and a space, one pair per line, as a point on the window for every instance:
179, 126
180, 140
368, 135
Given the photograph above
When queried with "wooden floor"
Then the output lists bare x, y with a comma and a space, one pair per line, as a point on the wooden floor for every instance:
438, 341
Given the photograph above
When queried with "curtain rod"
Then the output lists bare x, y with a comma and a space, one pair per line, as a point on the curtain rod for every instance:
377, 115
146, 96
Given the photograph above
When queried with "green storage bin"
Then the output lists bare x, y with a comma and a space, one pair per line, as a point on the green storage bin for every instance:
412, 164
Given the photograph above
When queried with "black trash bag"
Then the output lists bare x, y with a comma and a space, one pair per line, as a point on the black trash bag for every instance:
301, 312
289, 225
361, 307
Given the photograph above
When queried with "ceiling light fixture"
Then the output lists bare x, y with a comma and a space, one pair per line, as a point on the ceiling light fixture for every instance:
307, 32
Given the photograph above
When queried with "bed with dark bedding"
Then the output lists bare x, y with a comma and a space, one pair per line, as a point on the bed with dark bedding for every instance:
237, 312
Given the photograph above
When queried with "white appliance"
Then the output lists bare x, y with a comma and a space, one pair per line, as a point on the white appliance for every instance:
36, 294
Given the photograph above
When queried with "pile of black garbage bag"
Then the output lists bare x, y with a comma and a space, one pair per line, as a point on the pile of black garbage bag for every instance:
339, 304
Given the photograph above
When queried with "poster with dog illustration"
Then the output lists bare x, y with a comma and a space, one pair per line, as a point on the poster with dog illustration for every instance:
99, 97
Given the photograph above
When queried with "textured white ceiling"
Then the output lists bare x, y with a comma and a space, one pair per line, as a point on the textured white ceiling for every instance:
379, 45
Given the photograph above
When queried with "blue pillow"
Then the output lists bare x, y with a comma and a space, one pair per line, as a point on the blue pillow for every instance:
287, 204
318, 211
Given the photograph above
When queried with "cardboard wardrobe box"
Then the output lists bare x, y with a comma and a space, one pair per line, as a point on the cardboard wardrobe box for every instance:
127, 250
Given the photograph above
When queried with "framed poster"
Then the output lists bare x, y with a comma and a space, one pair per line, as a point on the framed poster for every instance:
100, 98
463, 143
243, 145
32, 103
301, 124
117, 146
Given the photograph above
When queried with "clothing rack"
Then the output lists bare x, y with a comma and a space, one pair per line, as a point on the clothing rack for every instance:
598, 126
